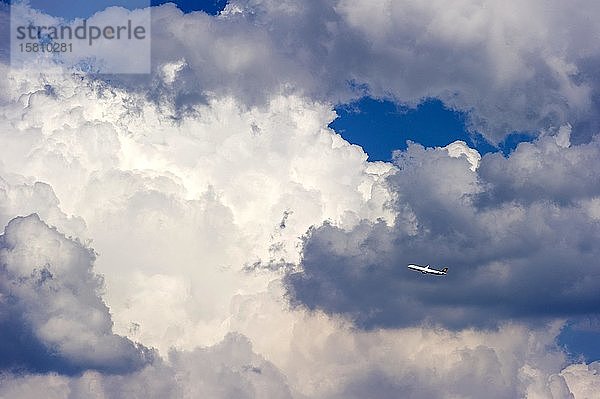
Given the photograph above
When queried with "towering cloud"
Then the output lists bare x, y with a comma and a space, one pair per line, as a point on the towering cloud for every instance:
258, 253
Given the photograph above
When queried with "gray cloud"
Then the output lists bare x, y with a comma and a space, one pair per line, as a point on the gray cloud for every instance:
227, 370
549, 170
511, 67
51, 315
523, 255
512, 362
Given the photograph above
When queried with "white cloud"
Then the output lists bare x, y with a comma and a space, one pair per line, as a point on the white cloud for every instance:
173, 253
583, 379
178, 208
460, 148
195, 189
22, 198
170, 70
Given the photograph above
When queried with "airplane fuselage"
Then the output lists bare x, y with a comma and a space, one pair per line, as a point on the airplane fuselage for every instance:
428, 270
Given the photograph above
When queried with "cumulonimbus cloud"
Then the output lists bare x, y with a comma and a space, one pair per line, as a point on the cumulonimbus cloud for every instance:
142, 186
193, 188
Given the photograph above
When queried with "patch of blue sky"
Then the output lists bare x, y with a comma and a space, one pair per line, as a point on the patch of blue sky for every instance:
69, 10
382, 126
212, 7
581, 341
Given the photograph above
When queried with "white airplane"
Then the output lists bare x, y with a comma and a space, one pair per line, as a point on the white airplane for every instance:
428, 270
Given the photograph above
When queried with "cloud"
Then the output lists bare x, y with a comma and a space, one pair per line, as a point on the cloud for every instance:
162, 232
493, 59
510, 67
511, 362
52, 317
550, 170
516, 235
227, 370
583, 380
460, 148
179, 209
19, 197
194, 187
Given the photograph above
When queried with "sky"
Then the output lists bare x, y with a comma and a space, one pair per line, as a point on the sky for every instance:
380, 126
234, 216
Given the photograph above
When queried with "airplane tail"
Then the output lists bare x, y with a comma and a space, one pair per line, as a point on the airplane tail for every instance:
445, 270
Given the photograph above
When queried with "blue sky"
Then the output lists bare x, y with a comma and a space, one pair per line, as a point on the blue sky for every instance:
580, 341
209, 6
85, 9
381, 126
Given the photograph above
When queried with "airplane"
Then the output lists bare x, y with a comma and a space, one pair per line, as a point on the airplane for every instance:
428, 270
